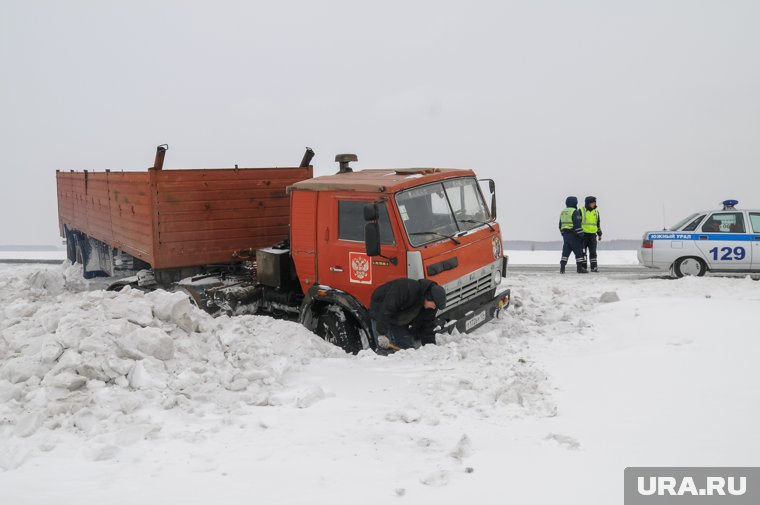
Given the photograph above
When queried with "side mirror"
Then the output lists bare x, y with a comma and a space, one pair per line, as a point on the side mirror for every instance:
492, 190
372, 237
370, 212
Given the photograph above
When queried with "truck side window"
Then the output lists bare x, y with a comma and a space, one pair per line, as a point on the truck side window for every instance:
724, 222
351, 221
693, 225
754, 218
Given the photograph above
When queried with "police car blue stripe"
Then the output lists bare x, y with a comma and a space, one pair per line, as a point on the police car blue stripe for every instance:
733, 237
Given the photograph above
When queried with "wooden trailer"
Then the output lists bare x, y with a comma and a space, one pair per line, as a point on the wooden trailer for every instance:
175, 219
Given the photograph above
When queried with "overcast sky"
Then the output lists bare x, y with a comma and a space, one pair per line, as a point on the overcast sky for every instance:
652, 106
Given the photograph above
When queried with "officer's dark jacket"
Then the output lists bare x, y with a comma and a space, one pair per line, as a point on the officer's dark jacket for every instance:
572, 202
400, 303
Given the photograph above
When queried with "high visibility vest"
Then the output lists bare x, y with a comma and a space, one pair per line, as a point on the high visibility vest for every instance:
566, 218
589, 220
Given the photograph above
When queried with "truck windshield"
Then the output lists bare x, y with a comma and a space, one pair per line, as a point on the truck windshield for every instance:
444, 208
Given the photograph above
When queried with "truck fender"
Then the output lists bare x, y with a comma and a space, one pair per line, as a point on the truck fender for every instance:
320, 297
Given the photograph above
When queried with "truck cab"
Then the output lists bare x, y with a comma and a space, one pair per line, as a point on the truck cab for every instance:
354, 231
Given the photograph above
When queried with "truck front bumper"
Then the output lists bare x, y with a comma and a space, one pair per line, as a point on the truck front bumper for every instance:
474, 313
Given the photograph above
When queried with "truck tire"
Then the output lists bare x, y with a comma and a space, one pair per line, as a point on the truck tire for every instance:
71, 247
689, 265
340, 330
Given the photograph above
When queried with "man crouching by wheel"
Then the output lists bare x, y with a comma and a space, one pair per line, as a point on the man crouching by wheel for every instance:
403, 313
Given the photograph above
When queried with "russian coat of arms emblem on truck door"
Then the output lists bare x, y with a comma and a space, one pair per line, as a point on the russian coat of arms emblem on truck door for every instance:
361, 268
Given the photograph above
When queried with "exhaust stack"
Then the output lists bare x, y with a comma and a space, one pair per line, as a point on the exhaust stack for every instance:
344, 160
160, 154
307, 156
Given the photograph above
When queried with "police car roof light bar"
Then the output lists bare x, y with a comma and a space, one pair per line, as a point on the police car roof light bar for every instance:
729, 204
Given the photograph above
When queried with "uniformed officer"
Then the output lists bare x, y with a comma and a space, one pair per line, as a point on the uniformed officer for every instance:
592, 229
572, 235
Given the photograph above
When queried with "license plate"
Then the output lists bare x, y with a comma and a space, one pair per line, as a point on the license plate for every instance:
474, 321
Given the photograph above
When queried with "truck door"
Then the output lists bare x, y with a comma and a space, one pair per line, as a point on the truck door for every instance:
343, 263
754, 218
724, 241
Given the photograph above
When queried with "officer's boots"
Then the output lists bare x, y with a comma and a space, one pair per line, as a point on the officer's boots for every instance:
562, 267
582, 268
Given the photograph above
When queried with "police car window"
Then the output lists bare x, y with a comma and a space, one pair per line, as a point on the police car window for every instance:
682, 222
351, 222
724, 222
693, 225
754, 217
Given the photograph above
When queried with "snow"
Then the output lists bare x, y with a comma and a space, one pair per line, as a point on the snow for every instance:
605, 257
131, 398
33, 255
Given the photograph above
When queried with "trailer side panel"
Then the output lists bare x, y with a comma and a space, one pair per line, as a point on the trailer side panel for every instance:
180, 218
113, 207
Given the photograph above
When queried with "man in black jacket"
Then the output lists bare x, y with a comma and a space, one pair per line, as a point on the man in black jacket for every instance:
403, 310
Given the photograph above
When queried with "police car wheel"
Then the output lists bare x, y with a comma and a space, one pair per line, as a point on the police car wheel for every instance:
689, 266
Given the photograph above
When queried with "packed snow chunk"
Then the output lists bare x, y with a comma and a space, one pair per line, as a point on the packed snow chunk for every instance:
20, 369
93, 371
564, 440
301, 397
20, 308
115, 367
609, 297
5, 349
406, 415
67, 361
72, 328
148, 373
174, 308
439, 478
65, 380
50, 352
8, 391
28, 424
47, 280
146, 342
463, 448
130, 305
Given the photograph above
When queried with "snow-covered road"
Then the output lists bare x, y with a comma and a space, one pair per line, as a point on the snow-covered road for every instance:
128, 398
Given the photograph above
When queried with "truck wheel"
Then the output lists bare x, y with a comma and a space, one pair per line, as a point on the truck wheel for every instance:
689, 266
339, 330
71, 247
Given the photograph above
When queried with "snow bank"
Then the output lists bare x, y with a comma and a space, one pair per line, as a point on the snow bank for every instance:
152, 401
96, 363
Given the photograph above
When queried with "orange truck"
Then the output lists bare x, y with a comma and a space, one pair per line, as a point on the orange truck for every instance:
281, 242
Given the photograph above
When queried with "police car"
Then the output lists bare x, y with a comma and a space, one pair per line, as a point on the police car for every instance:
726, 240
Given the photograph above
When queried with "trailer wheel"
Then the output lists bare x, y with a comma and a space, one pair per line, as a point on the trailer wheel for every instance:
689, 265
71, 247
340, 330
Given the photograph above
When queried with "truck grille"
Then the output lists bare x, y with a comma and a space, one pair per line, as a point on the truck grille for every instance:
467, 291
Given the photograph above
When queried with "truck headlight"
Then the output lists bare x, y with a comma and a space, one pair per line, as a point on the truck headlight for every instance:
496, 246
497, 277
